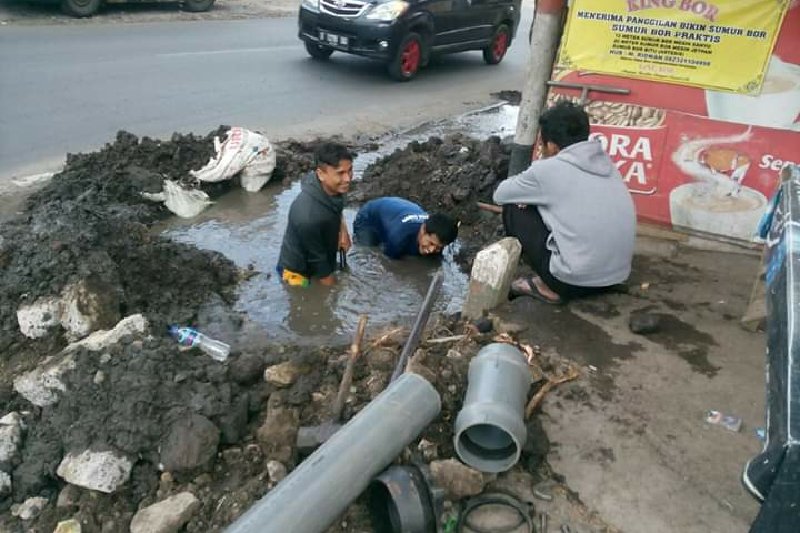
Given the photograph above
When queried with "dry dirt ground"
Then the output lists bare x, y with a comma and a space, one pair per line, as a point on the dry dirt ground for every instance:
630, 438
44, 12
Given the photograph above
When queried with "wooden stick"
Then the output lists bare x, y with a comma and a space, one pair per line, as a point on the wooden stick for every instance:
347, 378
492, 208
444, 340
551, 382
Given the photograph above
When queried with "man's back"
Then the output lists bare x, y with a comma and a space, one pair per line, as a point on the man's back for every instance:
394, 222
587, 207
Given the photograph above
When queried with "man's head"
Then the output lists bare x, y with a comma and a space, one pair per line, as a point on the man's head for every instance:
437, 232
562, 125
334, 164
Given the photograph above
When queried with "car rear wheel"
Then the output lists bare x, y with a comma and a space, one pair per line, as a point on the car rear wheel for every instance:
197, 6
496, 51
408, 59
318, 51
80, 8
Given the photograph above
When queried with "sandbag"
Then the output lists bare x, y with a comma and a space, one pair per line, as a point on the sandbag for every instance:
245, 152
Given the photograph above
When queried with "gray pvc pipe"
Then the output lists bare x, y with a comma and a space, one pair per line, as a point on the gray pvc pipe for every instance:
490, 428
318, 491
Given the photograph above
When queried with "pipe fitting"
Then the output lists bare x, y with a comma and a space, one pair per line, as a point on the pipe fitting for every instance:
402, 500
490, 428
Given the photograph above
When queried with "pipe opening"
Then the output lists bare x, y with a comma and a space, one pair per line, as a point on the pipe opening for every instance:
488, 442
382, 509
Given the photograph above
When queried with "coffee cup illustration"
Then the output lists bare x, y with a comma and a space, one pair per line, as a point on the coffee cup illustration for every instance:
716, 201
777, 106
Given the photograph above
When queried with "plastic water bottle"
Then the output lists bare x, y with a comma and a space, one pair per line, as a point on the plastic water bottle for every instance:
186, 336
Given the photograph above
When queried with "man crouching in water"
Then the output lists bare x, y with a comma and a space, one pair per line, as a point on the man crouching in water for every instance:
316, 230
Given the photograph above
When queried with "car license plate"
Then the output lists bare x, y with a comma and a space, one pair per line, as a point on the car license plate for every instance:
333, 39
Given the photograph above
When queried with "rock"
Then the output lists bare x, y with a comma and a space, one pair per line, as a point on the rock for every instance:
491, 276
43, 385
644, 323
99, 340
5, 484
30, 508
190, 444
103, 471
512, 328
246, 369
429, 450
278, 434
69, 496
484, 325
99, 377
233, 424
457, 479
88, 305
68, 526
37, 319
167, 516
10, 439
276, 471
284, 374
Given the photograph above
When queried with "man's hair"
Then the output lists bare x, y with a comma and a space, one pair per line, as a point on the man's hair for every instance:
443, 227
331, 154
564, 124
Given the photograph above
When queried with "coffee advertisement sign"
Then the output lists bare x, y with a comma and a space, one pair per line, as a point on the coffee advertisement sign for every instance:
723, 45
699, 159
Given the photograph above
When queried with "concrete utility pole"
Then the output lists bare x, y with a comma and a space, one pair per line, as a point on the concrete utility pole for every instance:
545, 37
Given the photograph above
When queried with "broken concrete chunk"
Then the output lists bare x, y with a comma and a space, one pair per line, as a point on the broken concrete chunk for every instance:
10, 440
88, 305
43, 385
37, 319
276, 471
191, 443
102, 471
100, 340
457, 479
68, 526
30, 508
490, 280
166, 516
279, 433
285, 374
5, 484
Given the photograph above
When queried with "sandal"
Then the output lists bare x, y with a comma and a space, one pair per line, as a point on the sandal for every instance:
532, 291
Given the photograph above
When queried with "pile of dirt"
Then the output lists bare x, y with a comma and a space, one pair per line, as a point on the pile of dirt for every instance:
133, 399
90, 222
448, 175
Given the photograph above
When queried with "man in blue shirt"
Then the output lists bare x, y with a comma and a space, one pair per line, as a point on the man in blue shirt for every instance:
402, 228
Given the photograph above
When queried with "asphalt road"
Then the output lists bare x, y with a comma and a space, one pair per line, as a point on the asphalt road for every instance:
71, 88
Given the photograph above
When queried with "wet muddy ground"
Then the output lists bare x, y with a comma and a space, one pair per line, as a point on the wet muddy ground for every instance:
633, 418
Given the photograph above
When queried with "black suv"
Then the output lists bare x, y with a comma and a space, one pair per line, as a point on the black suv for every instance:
404, 33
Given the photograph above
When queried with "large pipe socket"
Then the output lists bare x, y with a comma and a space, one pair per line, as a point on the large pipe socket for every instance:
490, 428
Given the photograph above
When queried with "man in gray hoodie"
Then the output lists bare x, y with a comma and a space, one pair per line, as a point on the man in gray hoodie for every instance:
571, 212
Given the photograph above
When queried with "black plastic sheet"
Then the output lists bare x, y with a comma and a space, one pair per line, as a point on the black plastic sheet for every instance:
774, 475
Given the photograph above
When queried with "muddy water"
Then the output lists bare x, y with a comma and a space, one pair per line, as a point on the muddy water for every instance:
248, 228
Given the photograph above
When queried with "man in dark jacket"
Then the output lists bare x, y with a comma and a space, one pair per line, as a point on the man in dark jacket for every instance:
316, 230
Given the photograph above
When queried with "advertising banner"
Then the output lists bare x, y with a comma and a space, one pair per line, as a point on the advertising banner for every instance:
699, 159
723, 45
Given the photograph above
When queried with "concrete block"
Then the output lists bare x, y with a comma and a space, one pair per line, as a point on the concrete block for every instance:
492, 273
